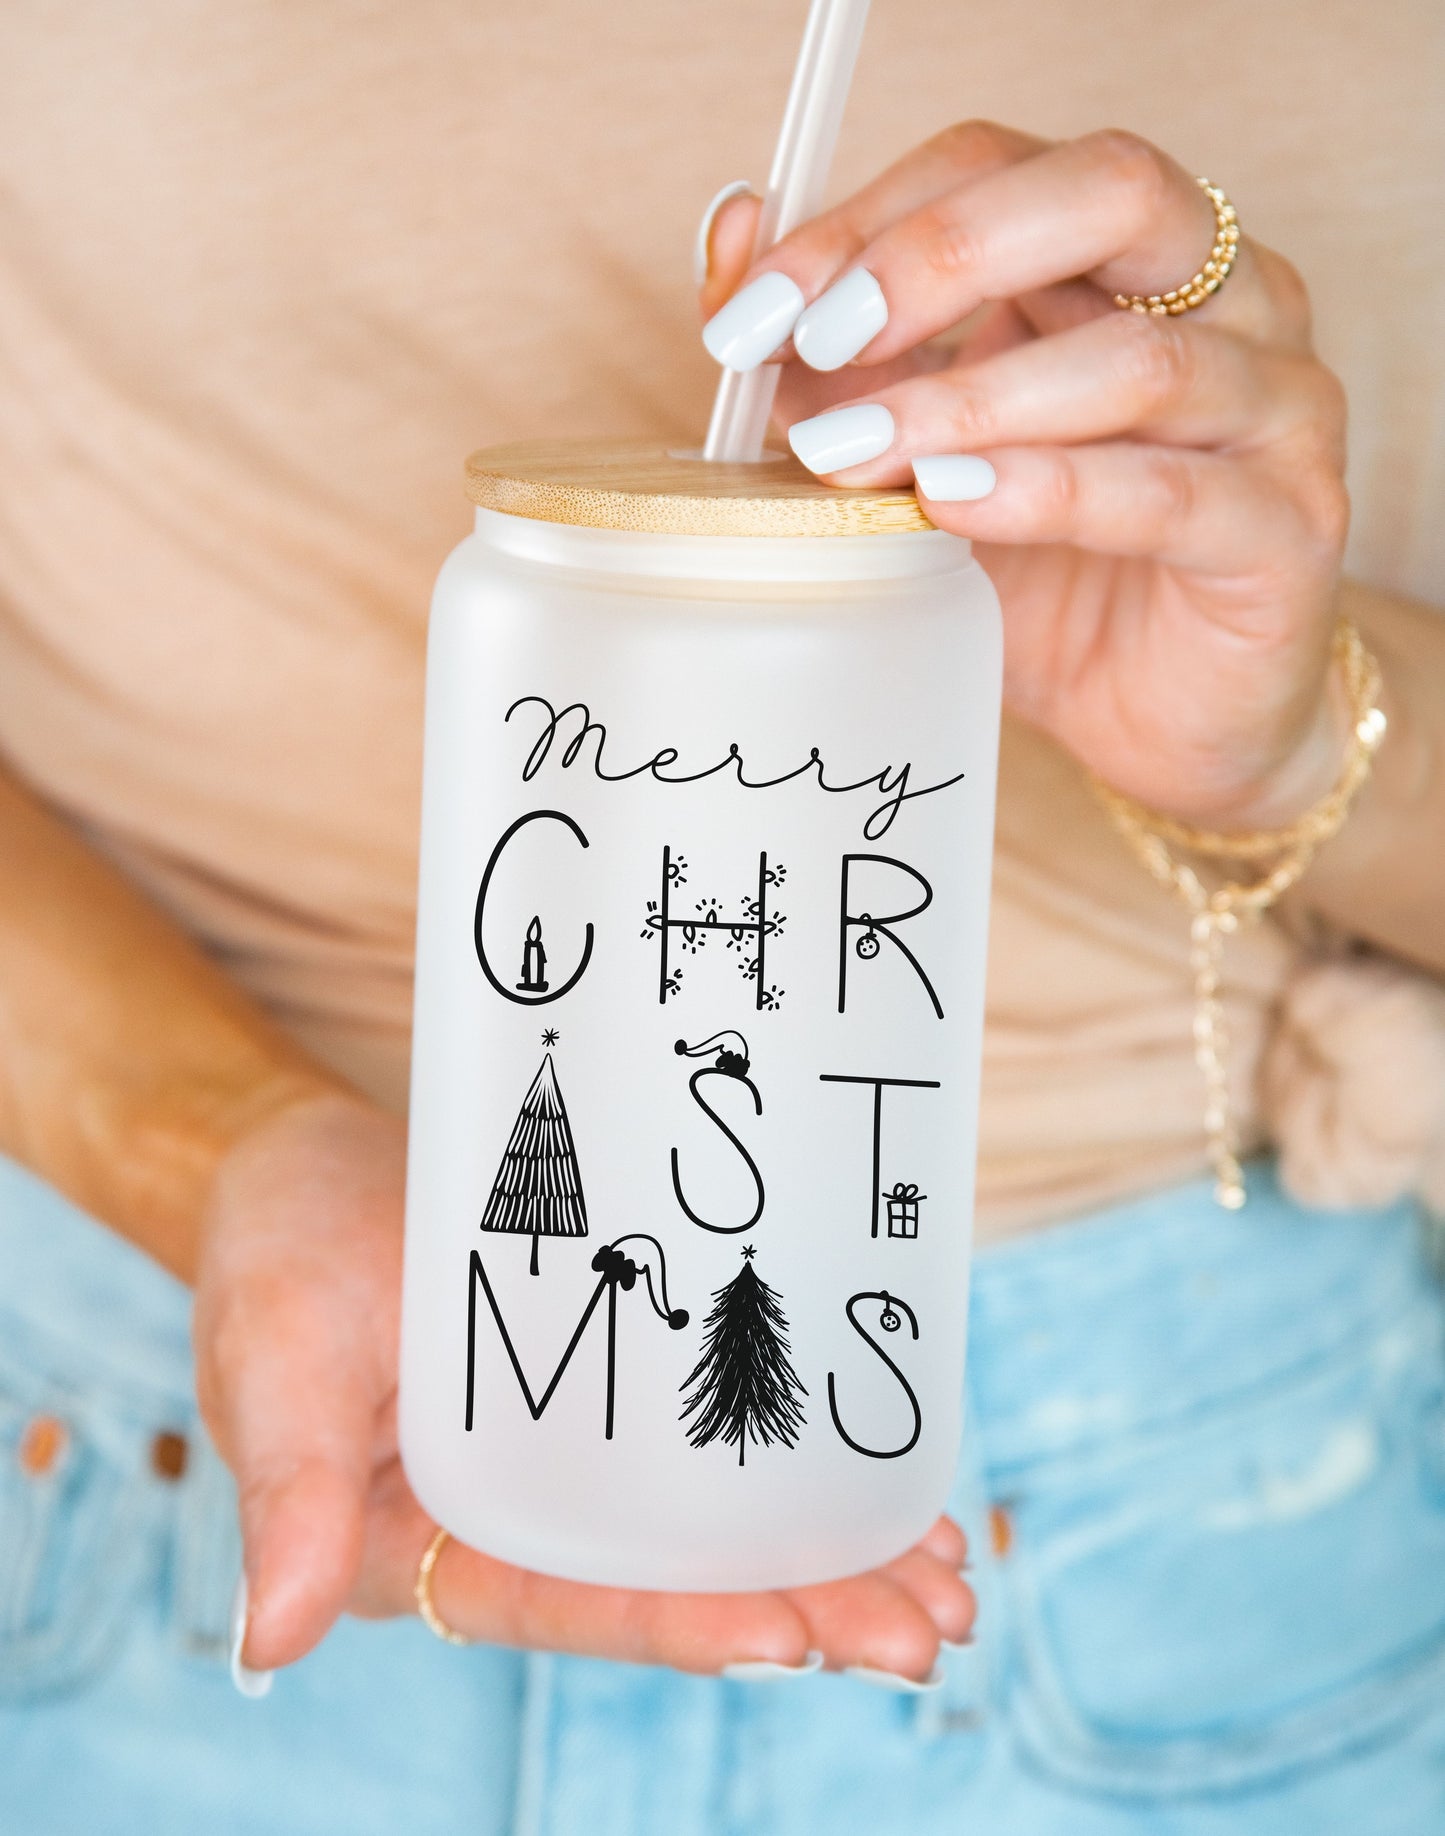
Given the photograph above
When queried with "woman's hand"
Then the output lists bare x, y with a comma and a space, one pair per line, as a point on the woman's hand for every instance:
296, 1338
1167, 511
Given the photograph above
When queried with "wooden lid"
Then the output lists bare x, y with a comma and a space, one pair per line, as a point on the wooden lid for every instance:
642, 486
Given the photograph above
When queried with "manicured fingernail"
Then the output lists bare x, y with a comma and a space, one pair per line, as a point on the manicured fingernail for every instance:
841, 321
842, 437
701, 249
250, 1683
754, 322
954, 478
903, 1686
764, 1670
957, 1644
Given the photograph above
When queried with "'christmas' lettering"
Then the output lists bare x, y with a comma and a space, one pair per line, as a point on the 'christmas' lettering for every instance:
888, 1321
533, 958
880, 1084
732, 1067
873, 927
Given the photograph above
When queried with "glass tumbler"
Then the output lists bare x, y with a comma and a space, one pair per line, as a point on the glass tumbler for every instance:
706, 838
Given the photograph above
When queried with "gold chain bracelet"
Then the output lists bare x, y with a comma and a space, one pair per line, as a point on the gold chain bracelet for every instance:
1218, 913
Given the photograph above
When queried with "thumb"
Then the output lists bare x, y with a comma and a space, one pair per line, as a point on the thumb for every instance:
725, 245
295, 1336
296, 1426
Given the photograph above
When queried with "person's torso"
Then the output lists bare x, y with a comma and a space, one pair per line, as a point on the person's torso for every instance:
267, 274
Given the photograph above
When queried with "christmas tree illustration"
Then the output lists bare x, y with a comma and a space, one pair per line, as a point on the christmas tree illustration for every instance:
538, 1190
743, 1385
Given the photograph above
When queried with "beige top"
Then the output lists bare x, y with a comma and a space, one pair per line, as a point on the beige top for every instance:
268, 274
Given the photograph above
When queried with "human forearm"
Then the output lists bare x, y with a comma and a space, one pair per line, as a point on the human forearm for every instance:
1382, 878
129, 1063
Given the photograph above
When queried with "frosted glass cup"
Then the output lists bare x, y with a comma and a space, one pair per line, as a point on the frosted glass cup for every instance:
706, 836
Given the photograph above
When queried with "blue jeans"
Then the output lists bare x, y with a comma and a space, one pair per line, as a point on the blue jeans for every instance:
1204, 1480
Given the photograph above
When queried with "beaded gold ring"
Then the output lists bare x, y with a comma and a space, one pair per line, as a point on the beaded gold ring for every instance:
1209, 279
421, 1593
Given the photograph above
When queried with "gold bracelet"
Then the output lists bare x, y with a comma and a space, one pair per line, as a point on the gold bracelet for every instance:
1219, 912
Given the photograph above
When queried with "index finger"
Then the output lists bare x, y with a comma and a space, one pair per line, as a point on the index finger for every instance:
1109, 207
755, 322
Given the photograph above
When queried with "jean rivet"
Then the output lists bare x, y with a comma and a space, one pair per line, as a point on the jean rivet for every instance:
42, 1446
169, 1455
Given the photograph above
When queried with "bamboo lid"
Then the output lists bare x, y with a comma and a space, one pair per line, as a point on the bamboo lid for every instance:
642, 486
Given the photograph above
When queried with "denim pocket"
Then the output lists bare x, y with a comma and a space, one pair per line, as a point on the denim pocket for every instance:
76, 1536
1257, 1592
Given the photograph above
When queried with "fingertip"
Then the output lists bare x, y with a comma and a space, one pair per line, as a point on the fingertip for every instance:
724, 250
946, 1541
939, 1589
705, 1634
304, 1540
954, 478
906, 1644
248, 1680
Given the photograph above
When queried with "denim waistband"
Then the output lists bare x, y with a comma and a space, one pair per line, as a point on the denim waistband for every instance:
1123, 1323
1107, 1325
75, 1296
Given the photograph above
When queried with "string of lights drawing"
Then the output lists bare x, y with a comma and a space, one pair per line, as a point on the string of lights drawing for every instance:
732, 1066
744, 1387
748, 933
538, 1187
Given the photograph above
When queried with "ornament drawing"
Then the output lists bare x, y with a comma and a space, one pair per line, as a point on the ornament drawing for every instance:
615, 1270
744, 1387
538, 1188
876, 930
890, 1319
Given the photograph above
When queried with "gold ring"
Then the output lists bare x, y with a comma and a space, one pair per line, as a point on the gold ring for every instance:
1210, 278
421, 1593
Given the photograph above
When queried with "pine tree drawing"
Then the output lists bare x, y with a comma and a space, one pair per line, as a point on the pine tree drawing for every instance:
743, 1385
538, 1189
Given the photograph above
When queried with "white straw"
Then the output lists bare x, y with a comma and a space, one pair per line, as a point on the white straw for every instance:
804, 153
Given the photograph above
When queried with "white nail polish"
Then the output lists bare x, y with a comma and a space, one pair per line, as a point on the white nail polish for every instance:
252, 1684
954, 478
754, 322
737, 189
842, 437
902, 1686
838, 324
764, 1670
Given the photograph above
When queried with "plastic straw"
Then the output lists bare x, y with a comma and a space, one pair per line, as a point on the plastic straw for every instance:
801, 160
